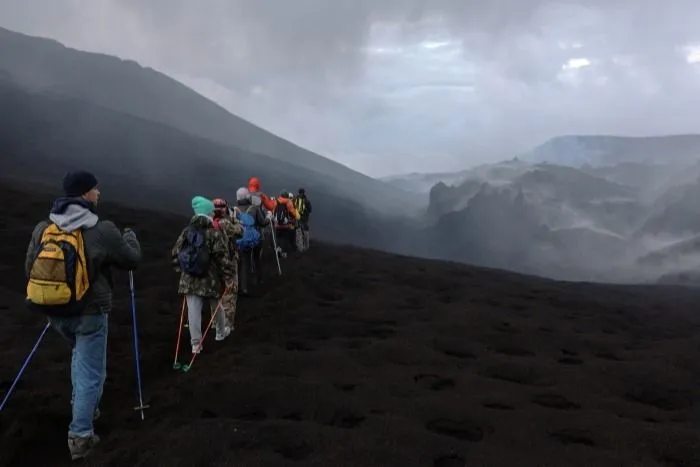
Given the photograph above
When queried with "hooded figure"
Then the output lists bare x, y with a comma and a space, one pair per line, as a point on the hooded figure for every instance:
86, 327
206, 270
250, 264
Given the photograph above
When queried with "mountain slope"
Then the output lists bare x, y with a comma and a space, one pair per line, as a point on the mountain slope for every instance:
358, 358
163, 167
46, 66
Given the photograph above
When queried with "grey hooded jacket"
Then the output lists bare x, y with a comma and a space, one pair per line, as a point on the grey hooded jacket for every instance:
105, 246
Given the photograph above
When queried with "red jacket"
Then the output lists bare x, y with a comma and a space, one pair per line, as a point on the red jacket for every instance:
254, 189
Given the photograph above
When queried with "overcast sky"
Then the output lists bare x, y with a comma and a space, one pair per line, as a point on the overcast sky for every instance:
389, 86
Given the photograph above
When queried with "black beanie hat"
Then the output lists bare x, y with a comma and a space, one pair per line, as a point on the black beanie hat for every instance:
78, 183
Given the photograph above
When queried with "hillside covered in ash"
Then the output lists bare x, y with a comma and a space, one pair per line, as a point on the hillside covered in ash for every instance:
355, 357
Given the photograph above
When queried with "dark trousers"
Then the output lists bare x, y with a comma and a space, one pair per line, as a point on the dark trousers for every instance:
249, 268
287, 239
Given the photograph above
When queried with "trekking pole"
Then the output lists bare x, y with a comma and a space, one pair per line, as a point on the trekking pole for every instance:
274, 244
140, 407
219, 305
24, 366
176, 364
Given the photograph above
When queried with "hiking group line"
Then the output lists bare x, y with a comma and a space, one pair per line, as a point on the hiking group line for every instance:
218, 255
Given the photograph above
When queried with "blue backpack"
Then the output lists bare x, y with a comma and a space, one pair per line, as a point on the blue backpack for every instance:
194, 255
251, 236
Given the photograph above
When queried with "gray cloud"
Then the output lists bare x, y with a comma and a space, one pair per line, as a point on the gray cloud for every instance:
394, 85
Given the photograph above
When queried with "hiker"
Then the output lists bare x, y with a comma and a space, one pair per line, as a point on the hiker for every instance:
267, 203
79, 313
251, 250
285, 219
303, 207
232, 229
201, 255
258, 197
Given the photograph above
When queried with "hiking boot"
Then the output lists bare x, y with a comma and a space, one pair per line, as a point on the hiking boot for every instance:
81, 447
224, 335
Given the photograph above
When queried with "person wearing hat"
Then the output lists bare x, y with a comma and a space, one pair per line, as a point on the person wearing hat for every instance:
206, 268
85, 328
257, 197
285, 218
250, 263
232, 229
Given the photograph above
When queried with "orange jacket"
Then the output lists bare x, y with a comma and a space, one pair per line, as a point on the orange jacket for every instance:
292, 211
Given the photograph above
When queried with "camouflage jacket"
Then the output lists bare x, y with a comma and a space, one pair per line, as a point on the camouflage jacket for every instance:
221, 270
232, 230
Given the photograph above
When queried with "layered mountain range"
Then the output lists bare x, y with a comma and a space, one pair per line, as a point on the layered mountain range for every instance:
611, 220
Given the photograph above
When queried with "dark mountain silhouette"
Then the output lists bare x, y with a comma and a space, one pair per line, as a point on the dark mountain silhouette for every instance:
162, 167
482, 233
47, 67
444, 199
355, 357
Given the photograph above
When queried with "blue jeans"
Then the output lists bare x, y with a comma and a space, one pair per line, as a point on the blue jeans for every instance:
88, 337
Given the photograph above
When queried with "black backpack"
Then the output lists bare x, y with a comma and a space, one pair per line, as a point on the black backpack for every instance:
194, 254
282, 214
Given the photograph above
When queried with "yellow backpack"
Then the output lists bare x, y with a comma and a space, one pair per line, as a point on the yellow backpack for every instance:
58, 279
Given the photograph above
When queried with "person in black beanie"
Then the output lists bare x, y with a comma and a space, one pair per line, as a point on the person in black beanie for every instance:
77, 184
85, 328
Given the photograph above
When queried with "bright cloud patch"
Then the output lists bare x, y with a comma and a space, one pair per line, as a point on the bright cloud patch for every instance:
575, 63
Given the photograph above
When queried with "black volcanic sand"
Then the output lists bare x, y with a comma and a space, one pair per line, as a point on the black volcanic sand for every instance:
366, 359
